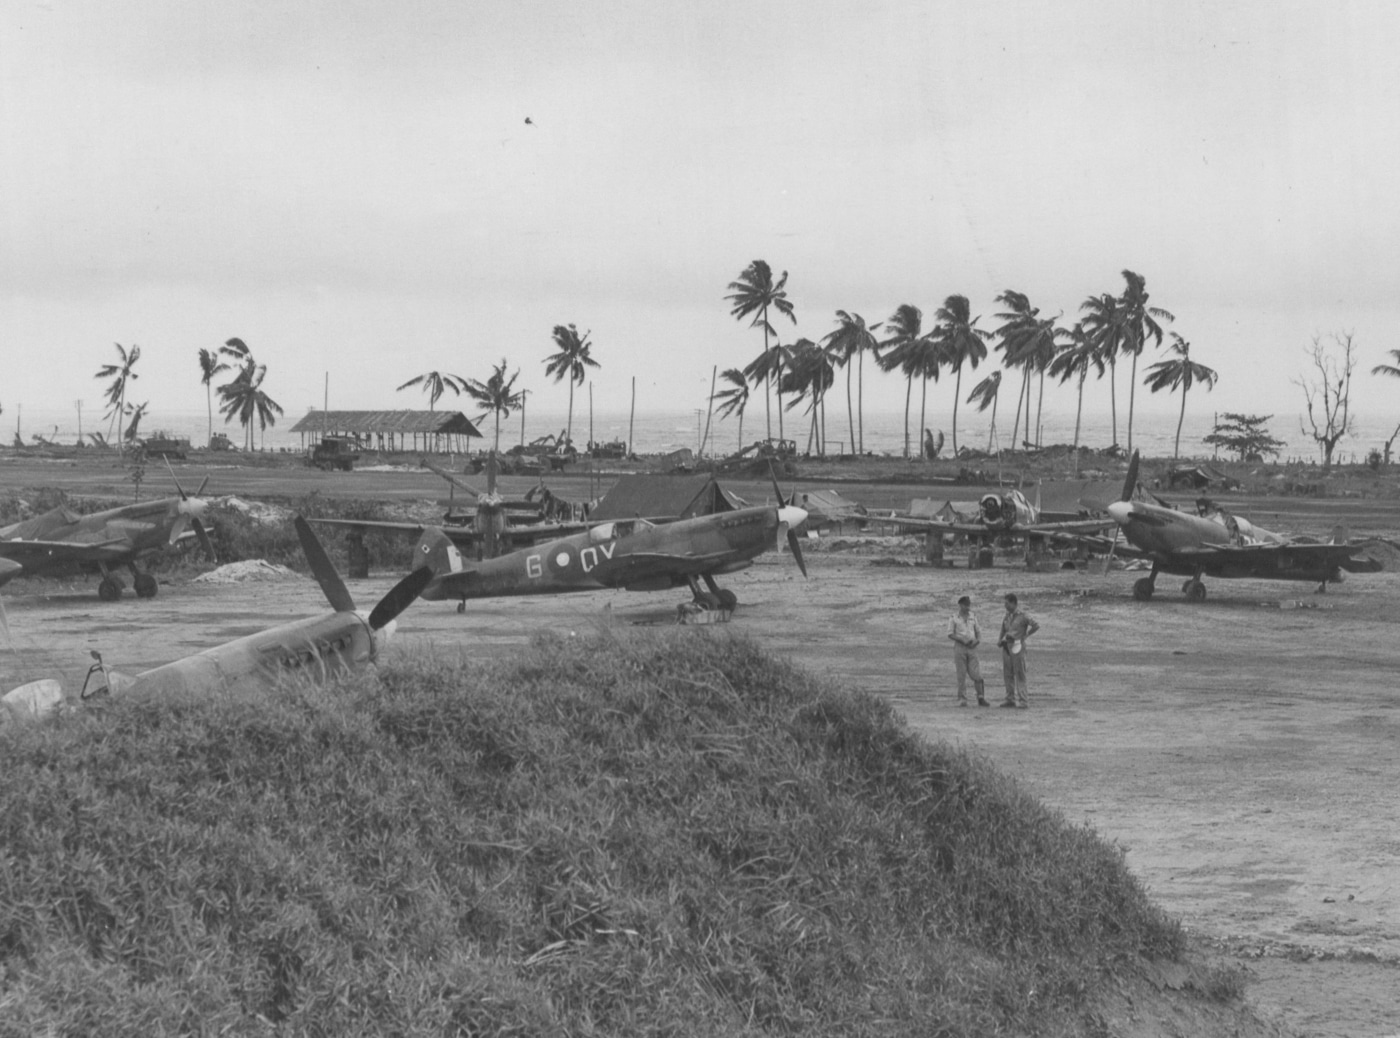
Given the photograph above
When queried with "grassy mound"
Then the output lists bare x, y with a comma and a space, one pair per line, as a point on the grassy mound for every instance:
656, 834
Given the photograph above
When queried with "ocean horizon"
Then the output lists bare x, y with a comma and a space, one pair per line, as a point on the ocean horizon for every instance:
660, 431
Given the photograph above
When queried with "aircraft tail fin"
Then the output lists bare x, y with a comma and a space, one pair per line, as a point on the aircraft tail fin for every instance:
437, 554
323, 569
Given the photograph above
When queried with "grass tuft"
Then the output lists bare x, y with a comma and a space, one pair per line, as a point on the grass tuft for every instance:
621, 834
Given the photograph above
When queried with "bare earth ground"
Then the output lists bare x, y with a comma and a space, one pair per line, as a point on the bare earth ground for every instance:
1243, 751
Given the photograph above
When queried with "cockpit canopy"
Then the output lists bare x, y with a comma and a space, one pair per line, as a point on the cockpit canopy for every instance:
616, 529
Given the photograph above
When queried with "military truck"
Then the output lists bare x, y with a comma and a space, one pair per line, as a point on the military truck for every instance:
334, 452
164, 445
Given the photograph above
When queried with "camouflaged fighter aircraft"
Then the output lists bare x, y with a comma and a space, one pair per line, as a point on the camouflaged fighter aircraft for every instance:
1213, 542
62, 540
633, 554
487, 530
318, 647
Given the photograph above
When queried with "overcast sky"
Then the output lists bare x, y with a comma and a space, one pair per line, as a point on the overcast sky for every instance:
353, 187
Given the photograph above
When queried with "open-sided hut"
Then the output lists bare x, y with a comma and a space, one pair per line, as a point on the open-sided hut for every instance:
431, 431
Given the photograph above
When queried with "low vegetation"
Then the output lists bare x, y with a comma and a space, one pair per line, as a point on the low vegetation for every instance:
640, 834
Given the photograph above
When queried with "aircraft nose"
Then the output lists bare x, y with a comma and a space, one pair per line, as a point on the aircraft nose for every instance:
791, 516
195, 507
1120, 512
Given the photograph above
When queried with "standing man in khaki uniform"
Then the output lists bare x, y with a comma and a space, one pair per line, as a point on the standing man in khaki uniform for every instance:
1016, 627
965, 635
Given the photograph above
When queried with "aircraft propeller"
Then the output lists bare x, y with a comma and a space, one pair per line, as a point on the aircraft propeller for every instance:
789, 518
398, 598
191, 507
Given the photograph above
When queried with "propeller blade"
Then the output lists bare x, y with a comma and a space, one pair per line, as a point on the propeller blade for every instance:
204, 541
202, 484
323, 569
773, 474
425, 463
400, 597
1130, 484
178, 527
796, 545
171, 470
1108, 563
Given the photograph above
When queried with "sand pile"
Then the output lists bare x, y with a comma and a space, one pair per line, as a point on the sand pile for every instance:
251, 569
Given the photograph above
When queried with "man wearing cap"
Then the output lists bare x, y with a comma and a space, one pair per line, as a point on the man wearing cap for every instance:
964, 633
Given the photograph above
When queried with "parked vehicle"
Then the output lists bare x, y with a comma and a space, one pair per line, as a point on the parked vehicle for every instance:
334, 452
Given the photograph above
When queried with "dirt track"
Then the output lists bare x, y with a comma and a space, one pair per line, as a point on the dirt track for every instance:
1243, 750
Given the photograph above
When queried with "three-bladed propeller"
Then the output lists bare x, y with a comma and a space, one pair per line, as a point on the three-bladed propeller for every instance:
398, 598
190, 508
790, 517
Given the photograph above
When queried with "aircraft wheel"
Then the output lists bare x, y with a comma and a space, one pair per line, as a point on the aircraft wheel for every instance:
727, 599
1195, 591
109, 590
146, 585
462, 606
1142, 589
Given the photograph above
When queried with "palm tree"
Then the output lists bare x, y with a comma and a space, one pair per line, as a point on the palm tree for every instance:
1032, 343
900, 354
851, 340
1393, 370
137, 413
734, 399
209, 366
962, 342
572, 361
811, 372
985, 394
1139, 325
121, 374
752, 296
768, 368
435, 383
1183, 372
245, 399
496, 395
1103, 325
1077, 359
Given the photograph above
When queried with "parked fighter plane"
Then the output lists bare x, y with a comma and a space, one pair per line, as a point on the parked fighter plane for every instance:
1216, 543
633, 554
484, 531
319, 647
61, 539
1005, 514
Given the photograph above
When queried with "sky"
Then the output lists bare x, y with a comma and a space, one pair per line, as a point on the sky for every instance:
352, 187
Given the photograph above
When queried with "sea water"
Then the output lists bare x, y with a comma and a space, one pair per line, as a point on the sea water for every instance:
659, 431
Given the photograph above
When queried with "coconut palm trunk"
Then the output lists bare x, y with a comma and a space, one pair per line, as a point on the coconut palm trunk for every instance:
923, 415
850, 409
1176, 448
957, 395
908, 393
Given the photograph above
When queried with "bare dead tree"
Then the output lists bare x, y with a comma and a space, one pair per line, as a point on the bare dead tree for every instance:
1327, 388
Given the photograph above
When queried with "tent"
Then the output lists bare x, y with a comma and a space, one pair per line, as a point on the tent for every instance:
664, 497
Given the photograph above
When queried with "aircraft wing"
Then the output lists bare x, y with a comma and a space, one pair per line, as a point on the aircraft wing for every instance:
34, 555
1342, 555
459, 535
640, 566
1068, 528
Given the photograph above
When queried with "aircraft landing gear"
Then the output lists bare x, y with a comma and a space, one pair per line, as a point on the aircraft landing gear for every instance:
1195, 590
1143, 588
110, 590
146, 585
462, 606
727, 599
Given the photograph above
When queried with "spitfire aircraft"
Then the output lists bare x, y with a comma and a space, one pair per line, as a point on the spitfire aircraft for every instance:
61, 540
633, 554
1006, 513
1213, 542
483, 532
318, 647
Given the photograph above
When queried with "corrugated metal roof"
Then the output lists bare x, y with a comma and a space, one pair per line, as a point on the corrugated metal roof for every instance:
408, 422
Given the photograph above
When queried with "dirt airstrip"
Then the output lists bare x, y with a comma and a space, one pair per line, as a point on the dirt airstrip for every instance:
1243, 751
